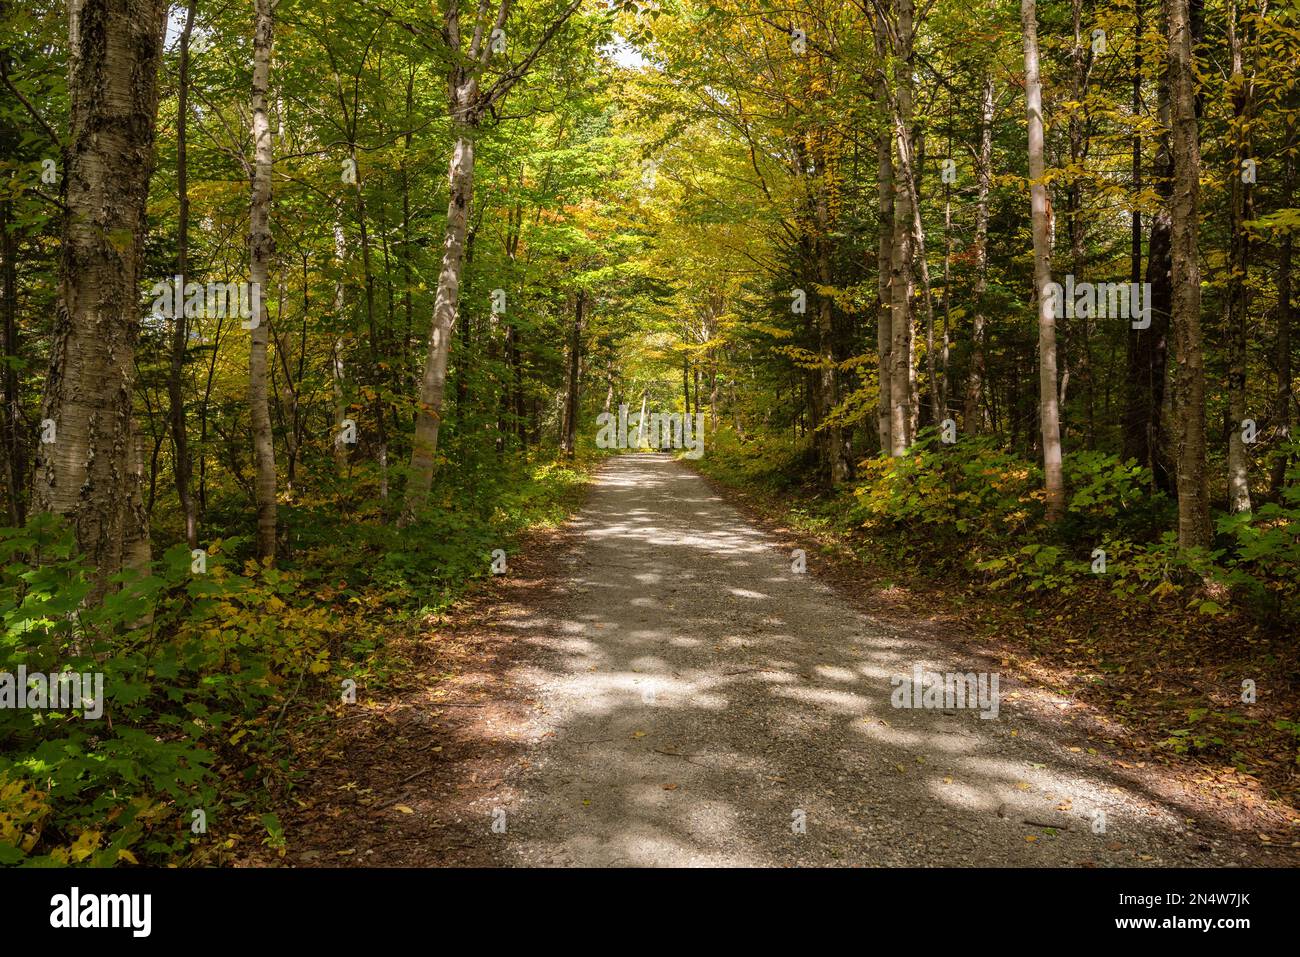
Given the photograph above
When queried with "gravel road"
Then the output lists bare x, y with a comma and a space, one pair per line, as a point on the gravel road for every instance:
700, 702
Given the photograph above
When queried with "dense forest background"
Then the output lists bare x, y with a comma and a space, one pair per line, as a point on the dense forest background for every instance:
829, 228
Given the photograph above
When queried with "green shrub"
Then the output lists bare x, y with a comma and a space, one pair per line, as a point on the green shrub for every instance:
937, 495
189, 664
776, 463
1263, 555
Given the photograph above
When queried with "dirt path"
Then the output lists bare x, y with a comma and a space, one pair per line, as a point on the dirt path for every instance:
656, 685
698, 702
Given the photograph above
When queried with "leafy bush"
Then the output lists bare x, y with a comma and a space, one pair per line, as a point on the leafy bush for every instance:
774, 462
189, 664
199, 669
1108, 496
1263, 555
939, 494
423, 566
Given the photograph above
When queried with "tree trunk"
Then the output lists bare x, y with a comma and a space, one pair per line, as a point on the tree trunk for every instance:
15, 444
1079, 335
445, 306
885, 207
1144, 425
900, 350
976, 419
1284, 400
408, 247
907, 173
945, 355
375, 343
90, 473
180, 327
713, 398
338, 377
686, 384
262, 249
1049, 410
1238, 269
1189, 376
830, 437
568, 443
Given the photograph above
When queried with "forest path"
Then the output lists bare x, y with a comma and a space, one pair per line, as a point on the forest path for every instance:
695, 699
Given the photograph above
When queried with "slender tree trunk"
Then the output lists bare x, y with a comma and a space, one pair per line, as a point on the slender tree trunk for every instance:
686, 384
433, 384
1238, 269
913, 367
1284, 400
830, 437
15, 445
1049, 412
1080, 334
907, 174
338, 378
408, 247
517, 371
180, 327
374, 337
945, 355
90, 473
976, 419
884, 254
569, 441
1144, 420
262, 249
901, 395
713, 398
1189, 376
1137, 414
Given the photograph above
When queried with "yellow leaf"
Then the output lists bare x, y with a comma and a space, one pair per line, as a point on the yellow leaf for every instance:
124, 855
404, 809
84, 845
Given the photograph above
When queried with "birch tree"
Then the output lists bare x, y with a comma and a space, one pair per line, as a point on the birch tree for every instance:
469, 103
901, 397
261, 250
89, 464
1048, 398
